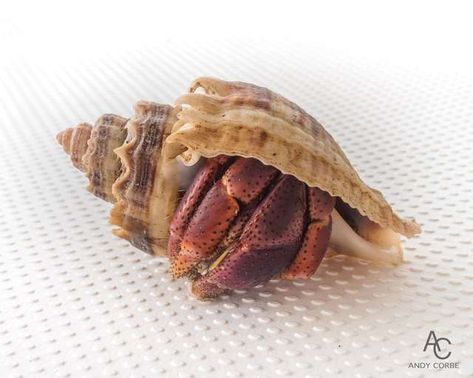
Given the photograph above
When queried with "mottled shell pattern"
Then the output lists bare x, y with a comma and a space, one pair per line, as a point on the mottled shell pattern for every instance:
231, 118
235, 118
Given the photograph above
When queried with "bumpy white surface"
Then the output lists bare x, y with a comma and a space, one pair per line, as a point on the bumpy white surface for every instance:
76, 301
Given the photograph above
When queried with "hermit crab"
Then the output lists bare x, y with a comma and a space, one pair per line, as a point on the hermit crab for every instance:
236, 185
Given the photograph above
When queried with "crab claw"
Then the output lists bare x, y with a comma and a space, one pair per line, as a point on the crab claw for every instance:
200, 228
201, 184
268, 244
316, 238
205, 232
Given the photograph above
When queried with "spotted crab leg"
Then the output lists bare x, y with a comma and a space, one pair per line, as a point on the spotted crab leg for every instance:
268, 244
200, 227
207, 175
316, 238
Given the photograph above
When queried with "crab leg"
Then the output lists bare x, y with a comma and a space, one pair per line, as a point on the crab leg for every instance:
203, 180
198, 228
316, 237
269, 242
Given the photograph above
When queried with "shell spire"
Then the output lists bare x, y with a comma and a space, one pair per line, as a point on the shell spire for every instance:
74, 142
103, 166
91, 151
124, 162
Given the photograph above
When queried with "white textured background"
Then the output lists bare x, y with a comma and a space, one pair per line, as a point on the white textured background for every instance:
392, 82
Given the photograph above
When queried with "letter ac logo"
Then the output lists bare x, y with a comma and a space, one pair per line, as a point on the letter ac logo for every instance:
436, 345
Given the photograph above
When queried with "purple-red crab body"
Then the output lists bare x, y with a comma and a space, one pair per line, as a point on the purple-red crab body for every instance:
241, 222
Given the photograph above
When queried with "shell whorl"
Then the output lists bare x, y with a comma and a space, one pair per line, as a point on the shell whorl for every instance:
74, 142
236, 118
123, 161
91, 151
103, 165
145, 194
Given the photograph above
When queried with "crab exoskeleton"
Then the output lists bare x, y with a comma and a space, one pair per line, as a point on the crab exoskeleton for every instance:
242, 222
236, 185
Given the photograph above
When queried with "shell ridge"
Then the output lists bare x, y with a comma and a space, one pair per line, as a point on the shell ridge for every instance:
137, 212
222, 140
102, 165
